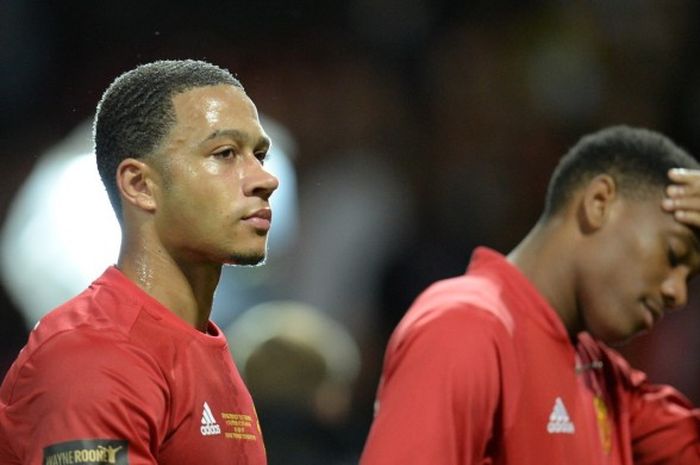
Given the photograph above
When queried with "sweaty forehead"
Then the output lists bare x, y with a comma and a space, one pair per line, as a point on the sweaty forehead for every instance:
203, 111
213, 104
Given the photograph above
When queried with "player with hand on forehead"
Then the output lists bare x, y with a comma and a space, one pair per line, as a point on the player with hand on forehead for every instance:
510, 364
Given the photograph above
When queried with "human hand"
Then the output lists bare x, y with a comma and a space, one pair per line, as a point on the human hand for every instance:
683, 196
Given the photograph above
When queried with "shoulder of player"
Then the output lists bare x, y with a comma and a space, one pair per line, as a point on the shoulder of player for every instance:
100, 317
81, 355
76, 378
98, 308
454, 316
466, 301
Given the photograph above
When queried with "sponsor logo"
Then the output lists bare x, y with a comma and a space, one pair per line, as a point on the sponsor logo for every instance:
559, 421
209, 426
88, 452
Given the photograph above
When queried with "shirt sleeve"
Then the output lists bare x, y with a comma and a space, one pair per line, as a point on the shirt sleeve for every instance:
664, 426
439, 393
85, 397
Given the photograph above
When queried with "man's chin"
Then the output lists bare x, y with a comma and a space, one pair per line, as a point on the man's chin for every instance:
619, 339
246, 259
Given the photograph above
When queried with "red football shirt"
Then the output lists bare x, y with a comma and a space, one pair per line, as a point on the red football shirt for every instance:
481, 371
113, 377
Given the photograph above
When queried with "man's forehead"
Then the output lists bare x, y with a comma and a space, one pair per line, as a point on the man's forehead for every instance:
215, 108
208, 99
694, 238
685, 232
649, 210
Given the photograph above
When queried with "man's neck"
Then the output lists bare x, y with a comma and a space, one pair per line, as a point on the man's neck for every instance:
186, 289
546, 258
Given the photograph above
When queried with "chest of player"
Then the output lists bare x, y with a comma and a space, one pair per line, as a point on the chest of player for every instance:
552, 414
212, 418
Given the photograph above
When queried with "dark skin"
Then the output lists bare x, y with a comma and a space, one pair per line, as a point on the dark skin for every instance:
611, 264
199, 202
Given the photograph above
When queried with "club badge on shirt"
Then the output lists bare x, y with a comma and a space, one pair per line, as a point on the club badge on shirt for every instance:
601, 413
88, 452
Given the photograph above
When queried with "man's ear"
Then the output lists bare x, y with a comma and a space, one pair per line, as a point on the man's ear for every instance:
596, 202
135, 180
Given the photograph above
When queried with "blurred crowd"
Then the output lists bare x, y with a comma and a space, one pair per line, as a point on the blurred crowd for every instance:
420, 130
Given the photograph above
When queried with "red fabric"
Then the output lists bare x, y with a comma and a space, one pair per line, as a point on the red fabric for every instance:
114, 364
477, 373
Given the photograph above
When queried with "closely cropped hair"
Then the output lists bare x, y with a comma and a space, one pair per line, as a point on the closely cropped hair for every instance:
136, 112
637, 159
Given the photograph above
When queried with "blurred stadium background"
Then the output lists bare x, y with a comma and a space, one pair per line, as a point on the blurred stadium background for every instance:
409, 133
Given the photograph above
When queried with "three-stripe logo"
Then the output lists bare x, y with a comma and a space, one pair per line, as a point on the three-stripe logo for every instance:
209, 426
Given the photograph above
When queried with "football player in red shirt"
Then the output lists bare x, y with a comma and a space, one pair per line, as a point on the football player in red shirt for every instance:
132, 371
508, 364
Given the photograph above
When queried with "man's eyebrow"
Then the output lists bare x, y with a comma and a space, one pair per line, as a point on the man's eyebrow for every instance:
692, 238
695, 242
263, 142
695, 246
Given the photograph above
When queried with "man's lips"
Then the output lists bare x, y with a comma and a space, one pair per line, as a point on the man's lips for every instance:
259, 219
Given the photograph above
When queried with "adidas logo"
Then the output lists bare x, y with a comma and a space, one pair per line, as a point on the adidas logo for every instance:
209, 426
559, 421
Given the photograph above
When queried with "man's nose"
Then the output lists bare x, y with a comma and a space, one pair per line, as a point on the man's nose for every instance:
258, 181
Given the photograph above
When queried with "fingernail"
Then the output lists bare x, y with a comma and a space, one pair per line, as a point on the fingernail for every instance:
667, 203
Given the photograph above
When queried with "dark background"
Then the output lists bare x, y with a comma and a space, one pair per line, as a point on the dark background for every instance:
438, 122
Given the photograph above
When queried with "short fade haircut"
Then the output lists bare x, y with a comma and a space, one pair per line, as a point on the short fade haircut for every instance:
136, 112
637, 159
